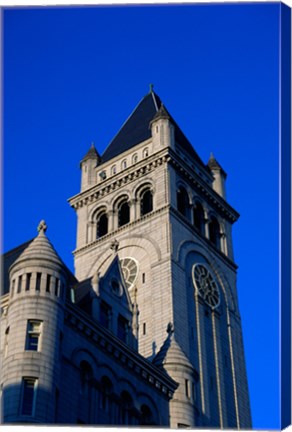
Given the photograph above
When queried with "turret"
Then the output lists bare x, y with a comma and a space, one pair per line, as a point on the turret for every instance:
171, 358
35, 315
88, 164
219, 176
162, 130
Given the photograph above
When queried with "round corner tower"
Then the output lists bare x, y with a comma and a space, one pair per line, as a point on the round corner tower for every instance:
35, 316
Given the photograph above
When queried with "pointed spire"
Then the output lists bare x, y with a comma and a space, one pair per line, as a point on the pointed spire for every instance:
92, 154
170, 352
161, 114
213, 164
135, 129
40, 249
170, 328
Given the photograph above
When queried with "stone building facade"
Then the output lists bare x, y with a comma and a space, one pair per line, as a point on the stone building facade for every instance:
153, 253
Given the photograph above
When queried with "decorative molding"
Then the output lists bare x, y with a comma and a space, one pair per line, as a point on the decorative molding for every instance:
125, 355
210, 195
146, 166
122, 228
111, 184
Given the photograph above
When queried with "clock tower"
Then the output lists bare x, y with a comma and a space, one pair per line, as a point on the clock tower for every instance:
165, 211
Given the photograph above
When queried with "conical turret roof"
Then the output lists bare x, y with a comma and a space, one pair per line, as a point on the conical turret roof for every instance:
161, 114
171, 352
92, 154
40, 249
214, 164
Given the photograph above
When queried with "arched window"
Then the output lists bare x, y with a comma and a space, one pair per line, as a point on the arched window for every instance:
122, 328
105, 313
106, 388
214, 232
126, 409
123, 213
101, 225
199, 217
146, 417
183, 201
145, 152
146, 202
135, 158
124, 164
114, 169
85, 378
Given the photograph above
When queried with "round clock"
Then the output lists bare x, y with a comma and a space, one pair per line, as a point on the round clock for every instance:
129, 268
206, 285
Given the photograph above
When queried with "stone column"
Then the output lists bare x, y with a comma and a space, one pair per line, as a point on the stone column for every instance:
112, 225
133, 209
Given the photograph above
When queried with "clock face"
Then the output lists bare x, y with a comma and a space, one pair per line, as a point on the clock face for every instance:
206, 285
129, 268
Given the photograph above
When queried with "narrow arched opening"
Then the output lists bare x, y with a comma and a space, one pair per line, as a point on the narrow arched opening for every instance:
123, 213
102, 225
146, 202
183, 205
106, 389
199, 220
85, 378
214, 232
146, 417
126, 409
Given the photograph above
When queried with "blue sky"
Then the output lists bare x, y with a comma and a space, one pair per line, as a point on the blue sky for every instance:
73, 75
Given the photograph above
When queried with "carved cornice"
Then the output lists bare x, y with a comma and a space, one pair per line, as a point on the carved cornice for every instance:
113, 347
131, 224
115, 182
146, 166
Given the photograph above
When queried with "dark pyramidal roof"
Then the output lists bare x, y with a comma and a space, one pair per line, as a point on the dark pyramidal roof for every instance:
137, 129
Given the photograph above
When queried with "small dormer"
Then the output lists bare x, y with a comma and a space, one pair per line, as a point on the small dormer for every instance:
88, 164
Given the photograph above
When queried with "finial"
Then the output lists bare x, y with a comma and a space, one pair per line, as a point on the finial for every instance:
115, 245
151, 86
170, 328
211, 155
42, 227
